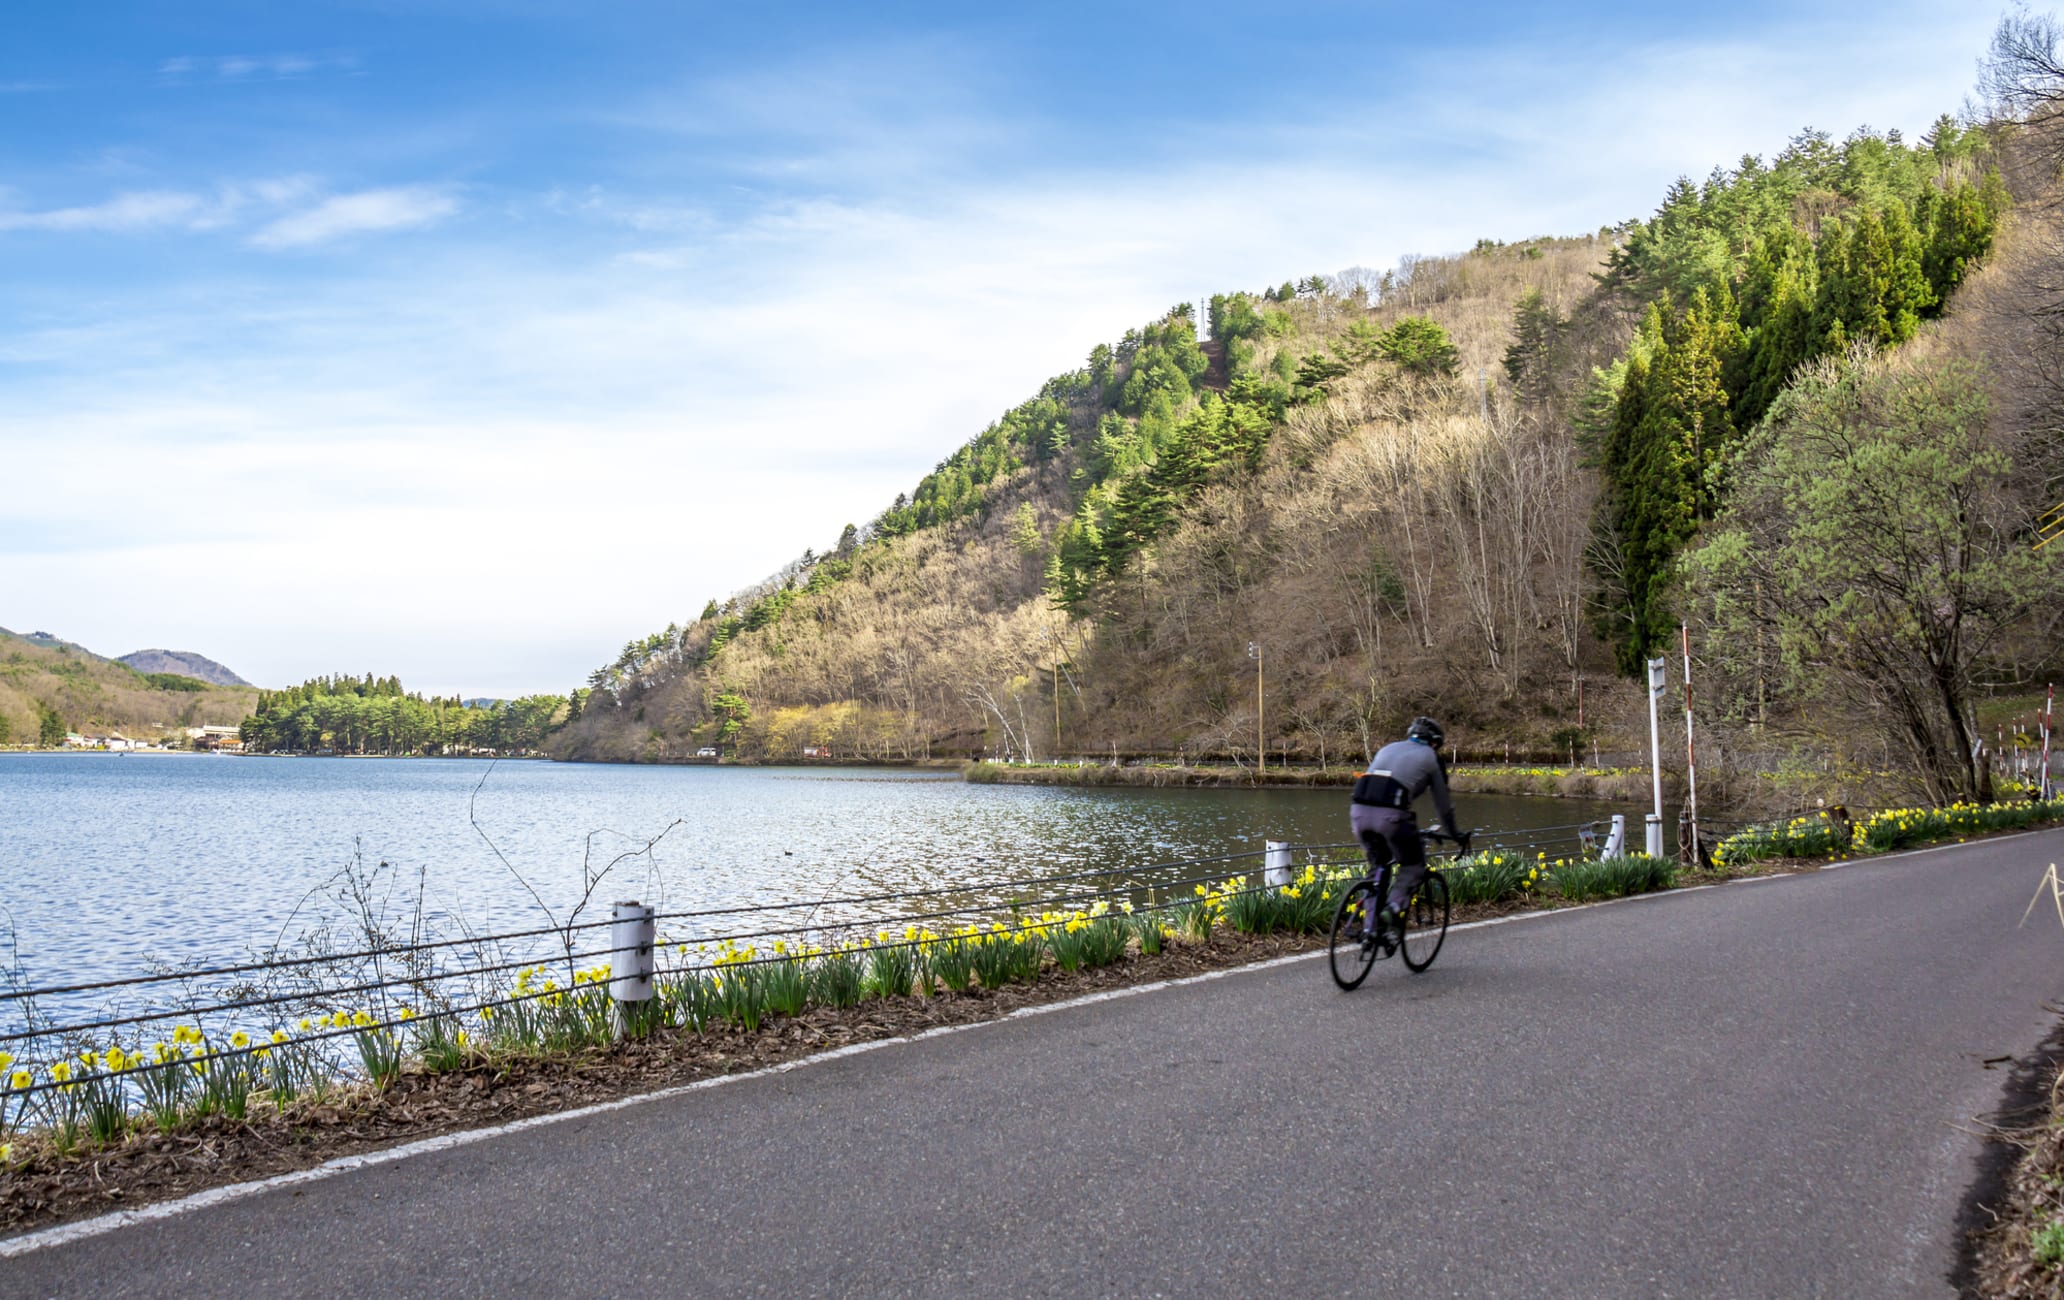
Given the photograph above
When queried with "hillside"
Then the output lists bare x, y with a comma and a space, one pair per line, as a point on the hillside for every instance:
49, 687
1485, 486
182, 663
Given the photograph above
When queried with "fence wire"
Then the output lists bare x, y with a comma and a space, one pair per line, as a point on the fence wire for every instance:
425, 979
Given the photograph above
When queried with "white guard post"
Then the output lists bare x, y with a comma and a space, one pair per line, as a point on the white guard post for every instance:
630, 961
1276, 860
1616, 843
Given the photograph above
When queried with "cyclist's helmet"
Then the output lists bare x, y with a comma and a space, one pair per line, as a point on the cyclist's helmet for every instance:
1428, 730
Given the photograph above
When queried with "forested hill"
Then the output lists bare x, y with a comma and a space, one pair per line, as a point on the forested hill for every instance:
50, 686
1460, 487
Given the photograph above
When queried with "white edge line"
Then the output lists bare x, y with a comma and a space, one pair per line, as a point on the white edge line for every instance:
66, 1233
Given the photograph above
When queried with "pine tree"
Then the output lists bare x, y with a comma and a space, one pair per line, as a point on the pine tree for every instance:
1534, 357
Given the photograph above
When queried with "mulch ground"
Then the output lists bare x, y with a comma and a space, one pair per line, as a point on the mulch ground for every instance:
44, 1187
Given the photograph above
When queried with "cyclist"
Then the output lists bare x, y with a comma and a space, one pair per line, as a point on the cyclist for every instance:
1382, 810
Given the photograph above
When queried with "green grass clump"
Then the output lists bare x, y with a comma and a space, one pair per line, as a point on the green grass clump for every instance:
892, 966
1008, 956
1637, 873
838, 977
1801, 837
1085, 940
2048, 1244
1491, 877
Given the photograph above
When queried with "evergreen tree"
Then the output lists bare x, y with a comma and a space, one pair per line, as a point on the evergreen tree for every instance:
1420, 346
1533, 360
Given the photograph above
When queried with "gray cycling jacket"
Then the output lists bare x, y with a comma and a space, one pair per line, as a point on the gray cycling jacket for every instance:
1417, 767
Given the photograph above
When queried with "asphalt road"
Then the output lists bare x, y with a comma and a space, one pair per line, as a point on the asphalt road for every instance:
1760, 1089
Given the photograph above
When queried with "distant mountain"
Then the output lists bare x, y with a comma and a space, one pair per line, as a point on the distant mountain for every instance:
184, 662
481, 702
50, 686
50, 641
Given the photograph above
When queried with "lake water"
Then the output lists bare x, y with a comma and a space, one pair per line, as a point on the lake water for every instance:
109, 862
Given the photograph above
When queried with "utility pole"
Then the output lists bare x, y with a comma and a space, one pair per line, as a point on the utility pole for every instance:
1260, 749
1656, 685
1690, 754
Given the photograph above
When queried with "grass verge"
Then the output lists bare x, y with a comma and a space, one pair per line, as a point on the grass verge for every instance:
2013, 1220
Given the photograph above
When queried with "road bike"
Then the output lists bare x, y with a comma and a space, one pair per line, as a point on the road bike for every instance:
1358, 940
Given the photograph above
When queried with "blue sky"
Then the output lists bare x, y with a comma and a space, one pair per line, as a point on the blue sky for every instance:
467, 341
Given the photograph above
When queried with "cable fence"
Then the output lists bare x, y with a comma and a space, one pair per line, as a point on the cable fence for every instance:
77, 1057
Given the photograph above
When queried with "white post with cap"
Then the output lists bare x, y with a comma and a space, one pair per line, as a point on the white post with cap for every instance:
631, 939
1276, 863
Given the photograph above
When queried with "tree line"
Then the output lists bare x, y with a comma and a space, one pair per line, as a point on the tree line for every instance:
1745, 279
375, 715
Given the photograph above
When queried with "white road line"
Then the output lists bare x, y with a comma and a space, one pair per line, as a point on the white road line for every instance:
66, 1233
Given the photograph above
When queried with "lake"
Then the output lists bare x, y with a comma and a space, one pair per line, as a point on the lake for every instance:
109, 862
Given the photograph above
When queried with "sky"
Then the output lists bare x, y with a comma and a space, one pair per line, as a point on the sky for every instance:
468, 341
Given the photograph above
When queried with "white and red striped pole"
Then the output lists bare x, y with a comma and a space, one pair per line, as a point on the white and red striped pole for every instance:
1690, 751
2050, 706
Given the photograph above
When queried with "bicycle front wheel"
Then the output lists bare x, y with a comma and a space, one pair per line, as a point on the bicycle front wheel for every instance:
1353, 949
1426, 923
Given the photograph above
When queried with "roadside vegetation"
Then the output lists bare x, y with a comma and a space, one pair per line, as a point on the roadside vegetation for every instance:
1832, 835
2019, 1250
295, 1052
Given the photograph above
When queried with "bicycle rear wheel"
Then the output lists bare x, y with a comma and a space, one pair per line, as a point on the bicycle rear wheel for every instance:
1426, 923
1353, 949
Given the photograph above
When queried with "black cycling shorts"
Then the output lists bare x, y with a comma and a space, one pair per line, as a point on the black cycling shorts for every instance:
1388, 835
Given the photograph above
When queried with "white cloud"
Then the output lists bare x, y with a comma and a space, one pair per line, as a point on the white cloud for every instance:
246, 67
366, 212
139, 210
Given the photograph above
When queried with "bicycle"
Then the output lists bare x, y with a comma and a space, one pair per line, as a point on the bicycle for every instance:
1417, 935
